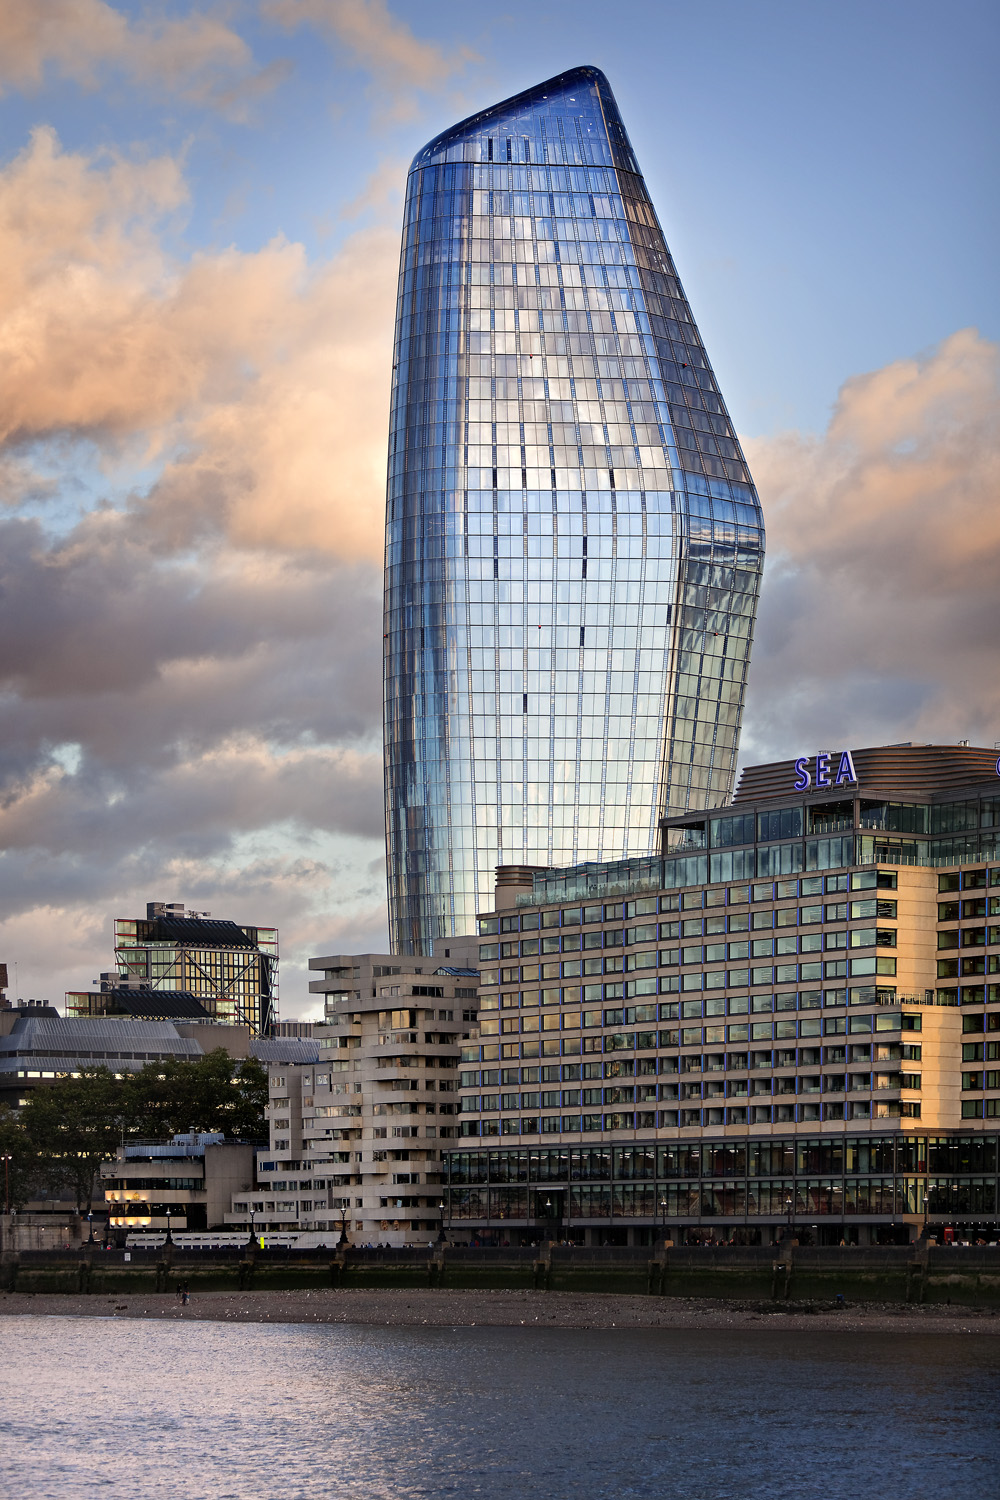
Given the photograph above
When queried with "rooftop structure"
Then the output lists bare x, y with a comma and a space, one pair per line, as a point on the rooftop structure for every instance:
128, 995
230, 970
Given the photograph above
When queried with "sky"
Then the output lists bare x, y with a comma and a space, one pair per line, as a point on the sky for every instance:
199, 240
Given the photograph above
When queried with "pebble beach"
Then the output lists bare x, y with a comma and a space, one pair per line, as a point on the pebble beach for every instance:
505, 1309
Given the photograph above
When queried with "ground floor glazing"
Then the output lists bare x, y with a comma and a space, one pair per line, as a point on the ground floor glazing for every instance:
862, 1189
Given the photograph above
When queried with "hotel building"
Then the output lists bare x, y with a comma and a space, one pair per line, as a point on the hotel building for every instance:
573, 540
788, 1019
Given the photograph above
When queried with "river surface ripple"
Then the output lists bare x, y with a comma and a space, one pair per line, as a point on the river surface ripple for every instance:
212, 1411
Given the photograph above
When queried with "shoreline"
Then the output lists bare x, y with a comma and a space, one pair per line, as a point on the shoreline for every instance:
420, 1307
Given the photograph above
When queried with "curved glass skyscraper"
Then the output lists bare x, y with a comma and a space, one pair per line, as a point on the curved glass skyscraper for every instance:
573, 541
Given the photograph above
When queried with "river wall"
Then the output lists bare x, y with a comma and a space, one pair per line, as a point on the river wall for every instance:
924, 1273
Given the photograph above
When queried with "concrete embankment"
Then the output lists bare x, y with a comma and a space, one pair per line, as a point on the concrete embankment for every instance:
915, 1275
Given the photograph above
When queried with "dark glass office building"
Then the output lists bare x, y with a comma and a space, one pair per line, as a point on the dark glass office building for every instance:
573, 541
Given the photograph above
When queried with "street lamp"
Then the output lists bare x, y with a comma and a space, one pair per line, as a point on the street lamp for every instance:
90, 1222
663, 1216
253, 1215
7, 1159
169, 1239
441, 1239
789, 1205
343, 1241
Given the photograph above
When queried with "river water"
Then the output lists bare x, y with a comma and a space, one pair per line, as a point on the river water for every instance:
98, 1407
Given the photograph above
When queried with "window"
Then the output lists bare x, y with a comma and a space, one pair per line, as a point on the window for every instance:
396, 1020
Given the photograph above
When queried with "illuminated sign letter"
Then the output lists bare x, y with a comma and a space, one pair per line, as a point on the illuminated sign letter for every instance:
846, 771
802, 777
823, 769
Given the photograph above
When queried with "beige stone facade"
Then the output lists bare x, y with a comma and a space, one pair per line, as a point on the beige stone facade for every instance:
356, 1138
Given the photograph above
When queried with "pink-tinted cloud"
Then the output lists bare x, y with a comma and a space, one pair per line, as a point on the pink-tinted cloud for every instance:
371, 37
881, 603
266, 378
197, 57
190, 668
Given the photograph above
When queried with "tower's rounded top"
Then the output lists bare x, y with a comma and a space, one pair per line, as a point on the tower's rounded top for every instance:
589, 81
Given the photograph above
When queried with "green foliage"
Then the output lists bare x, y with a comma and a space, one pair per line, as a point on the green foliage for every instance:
65, 1131
74, 1126
17, 1175
212, 1093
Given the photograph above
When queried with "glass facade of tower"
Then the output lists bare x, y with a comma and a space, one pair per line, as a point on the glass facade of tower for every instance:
573, 541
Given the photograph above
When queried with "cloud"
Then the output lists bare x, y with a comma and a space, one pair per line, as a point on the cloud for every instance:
373, 39
296, 458
192, 469
197, 56
880, 608
263, 380
383, 190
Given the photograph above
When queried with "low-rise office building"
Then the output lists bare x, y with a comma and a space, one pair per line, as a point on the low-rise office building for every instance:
184, 1183
38, 1046
783, 1021
39, 1050
356, 1138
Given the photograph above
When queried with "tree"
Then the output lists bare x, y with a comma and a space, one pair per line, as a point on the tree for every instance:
21, 1170
75, 1125
67, 1130
211, 1093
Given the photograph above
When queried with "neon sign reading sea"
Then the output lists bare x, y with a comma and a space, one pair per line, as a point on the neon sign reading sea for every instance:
822, 771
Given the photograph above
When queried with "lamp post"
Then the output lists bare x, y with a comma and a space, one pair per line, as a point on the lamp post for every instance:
441, 1234
6, 1180
90, 1223
789, 1206
251, 1240
343, 1242
663, 1217
169, 1239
